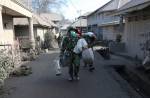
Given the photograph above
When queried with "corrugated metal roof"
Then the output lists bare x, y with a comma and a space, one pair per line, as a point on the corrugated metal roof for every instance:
52, 16
36, 21
113, 5
99, 8
133, 3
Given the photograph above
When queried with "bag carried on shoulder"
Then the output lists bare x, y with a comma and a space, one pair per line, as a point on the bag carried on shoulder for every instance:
80, 45
65, 59
88, 56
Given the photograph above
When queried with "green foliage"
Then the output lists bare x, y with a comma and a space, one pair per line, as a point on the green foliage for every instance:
26, 44
48, 37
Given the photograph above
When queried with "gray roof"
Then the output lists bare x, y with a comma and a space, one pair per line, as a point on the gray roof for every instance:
133, 3
112, 5
80, 23
64, 27
52, 16
37, 20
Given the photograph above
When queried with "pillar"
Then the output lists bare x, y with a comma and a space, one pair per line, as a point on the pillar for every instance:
31, 33
1, 25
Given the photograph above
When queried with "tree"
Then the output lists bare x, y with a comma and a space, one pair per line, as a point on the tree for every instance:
43, 6
47, 40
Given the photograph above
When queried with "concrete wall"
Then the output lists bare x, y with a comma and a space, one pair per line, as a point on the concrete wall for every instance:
103, 24
110, 32
137, 33
8, 34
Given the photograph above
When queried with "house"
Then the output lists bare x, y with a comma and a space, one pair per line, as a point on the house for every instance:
40, 27
103, 23
55, 18
64, 28
137, 32
8, 10
81, 23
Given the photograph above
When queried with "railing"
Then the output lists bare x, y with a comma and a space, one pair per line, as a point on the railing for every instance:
110, 19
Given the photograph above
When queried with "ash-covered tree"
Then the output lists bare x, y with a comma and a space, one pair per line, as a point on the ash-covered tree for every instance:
45, 6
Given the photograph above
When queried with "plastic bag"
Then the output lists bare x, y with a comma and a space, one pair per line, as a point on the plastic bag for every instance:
57, 67
65, 59
146, 62
80, 45
88, 56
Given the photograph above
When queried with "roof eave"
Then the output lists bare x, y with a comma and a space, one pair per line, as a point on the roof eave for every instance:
134, 8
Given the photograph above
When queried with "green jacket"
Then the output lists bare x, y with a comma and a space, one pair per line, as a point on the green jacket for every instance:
68, 43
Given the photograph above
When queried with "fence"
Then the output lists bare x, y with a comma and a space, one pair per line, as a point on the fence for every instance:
12, 51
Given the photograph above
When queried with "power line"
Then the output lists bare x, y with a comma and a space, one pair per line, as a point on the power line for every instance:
73, 5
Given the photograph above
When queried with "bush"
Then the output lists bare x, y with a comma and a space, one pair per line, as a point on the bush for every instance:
6, 66
48, 38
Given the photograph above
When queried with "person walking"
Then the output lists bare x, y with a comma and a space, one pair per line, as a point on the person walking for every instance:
90, 38
68, 44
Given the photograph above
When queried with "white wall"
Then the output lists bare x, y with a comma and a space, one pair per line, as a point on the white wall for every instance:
8, 34
16, 8
41, 32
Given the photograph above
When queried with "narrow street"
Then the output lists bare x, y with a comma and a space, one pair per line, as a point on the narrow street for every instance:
43, 83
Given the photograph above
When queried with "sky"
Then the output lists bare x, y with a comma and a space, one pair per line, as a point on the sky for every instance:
76, 7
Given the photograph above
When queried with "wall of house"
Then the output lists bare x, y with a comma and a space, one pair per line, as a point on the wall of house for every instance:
21, 31
41, 32
97, 21
137, 33
14, 6
110, 32
8, 34
92, 19
92, 22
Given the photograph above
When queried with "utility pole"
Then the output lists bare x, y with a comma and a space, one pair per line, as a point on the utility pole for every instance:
80, 13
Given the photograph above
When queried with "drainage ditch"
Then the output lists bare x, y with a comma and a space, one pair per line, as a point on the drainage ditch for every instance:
134, 81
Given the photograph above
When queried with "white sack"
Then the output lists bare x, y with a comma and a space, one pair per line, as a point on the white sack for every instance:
57, 67
80, 45
88, 56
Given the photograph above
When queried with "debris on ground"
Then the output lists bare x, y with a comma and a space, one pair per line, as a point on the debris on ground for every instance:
22, 71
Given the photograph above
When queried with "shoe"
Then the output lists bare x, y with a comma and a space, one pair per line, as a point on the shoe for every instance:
70, 79
77, 78
91, 69
58, 74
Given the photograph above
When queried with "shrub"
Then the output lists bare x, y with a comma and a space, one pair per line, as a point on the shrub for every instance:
6, 66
